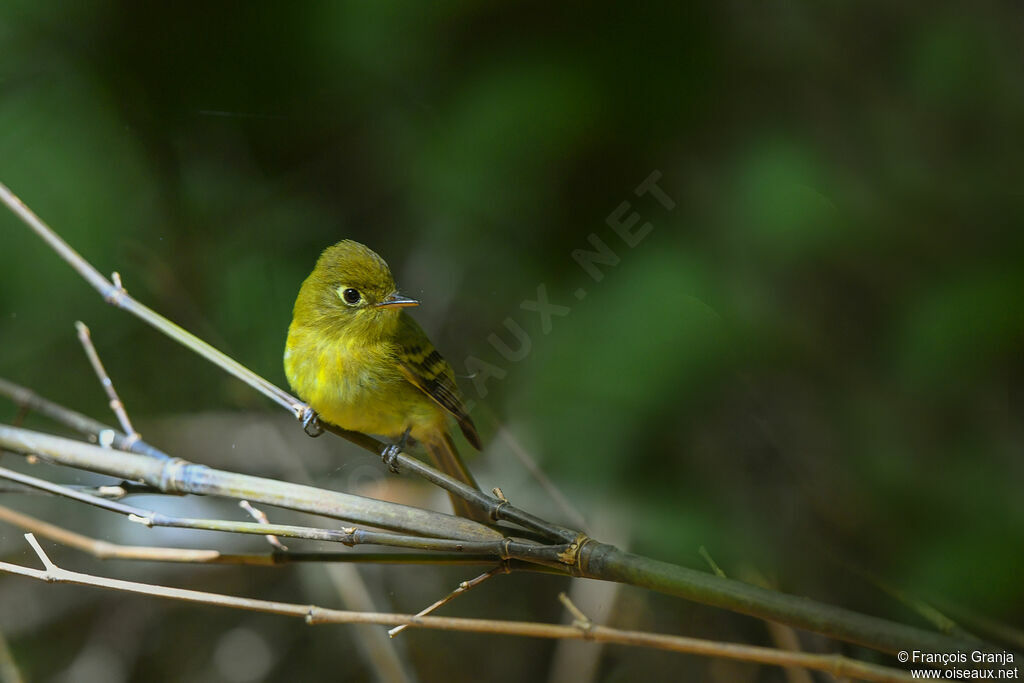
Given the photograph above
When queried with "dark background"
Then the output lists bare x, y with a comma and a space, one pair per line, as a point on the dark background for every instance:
811, 365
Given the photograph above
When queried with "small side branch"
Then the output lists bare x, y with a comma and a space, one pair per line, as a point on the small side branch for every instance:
498, 509
179, 476
580, 620
350, 536
116, 295
116, 405
105, 550
462, 588
531, 466
312, 614
27, 399
261, 517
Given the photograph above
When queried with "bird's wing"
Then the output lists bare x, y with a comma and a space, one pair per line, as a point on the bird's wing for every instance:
422, 365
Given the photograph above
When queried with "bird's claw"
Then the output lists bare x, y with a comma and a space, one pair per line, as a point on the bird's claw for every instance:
311, 423
389, 454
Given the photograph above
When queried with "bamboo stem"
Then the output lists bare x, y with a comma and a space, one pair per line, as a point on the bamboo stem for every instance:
313, 615
606, 562
179, 476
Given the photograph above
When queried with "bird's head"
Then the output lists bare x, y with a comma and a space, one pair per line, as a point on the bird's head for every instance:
351, 287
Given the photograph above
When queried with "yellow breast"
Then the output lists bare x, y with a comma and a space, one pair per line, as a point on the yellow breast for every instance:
354, 386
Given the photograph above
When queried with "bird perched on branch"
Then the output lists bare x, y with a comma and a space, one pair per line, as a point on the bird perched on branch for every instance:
363, 364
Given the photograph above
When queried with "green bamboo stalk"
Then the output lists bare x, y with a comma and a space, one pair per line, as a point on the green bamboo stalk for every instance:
495, 508
606, 562
590, 559
312, 614
179, 476
105, 550
500, 549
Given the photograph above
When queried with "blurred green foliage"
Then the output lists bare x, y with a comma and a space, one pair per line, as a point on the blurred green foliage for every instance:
816, 354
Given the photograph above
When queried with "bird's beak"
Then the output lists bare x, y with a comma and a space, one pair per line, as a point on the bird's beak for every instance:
397, 301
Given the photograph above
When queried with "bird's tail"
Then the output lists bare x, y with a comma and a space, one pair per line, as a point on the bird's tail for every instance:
446, 458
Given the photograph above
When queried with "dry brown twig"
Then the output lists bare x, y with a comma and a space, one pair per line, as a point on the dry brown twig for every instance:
261, 517
314, 615
462, 588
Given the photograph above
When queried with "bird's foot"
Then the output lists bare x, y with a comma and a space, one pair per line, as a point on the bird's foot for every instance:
390, 453
311, 423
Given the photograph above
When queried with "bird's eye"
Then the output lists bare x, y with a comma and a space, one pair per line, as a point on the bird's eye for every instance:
351, 296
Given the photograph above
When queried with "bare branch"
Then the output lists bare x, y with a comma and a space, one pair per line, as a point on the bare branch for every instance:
503, 548
497, 508
462, 588
580, 620
986, 626
834, 664
180, 476
105, 550
711, 561
50, 566
584, 557
784, 637
260, 517
530, 463
108, 385
27, 399
116, 295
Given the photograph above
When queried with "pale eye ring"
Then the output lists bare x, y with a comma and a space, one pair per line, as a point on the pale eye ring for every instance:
351, 296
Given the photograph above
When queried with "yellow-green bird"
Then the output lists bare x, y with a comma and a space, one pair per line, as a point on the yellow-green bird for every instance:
363, 364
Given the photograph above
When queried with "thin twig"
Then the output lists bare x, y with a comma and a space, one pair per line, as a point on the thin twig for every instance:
462, 588
260, 517
116, 404
584, 557
179, 476
26, 399
116, 295
503, 509
497, 508
580, 620
348, 536
988, 627
834, 664
784, 637
568, 509
19, 417
110, 491
927, 612
105, 550
711, 562
501, 549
